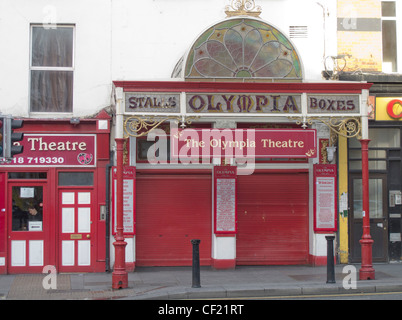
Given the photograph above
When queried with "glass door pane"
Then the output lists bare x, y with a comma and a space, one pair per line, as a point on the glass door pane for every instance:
27, 208
375, 196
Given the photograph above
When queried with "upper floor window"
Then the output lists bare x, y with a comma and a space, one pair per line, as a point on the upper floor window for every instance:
389, 39
52, 69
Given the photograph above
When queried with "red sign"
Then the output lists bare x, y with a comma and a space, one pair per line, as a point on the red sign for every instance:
391, 109
225, 179
57, 150
325, 204
128, 200
243, 143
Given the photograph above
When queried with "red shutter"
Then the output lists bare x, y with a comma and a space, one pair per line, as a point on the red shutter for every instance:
273, 219
171, 211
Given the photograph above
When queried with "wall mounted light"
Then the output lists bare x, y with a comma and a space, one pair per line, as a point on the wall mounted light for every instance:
330, 152
75, 121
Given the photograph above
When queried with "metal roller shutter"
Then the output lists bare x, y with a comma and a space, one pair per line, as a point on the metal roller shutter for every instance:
273, 219
171, 211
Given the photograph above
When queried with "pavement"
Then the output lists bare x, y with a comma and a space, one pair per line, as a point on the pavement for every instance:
175, 283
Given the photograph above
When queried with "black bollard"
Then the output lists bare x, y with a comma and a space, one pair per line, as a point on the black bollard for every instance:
196, 263
330, 259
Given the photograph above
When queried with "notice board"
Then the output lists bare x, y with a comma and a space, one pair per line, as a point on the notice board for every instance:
128, 200
325, 201
225, 187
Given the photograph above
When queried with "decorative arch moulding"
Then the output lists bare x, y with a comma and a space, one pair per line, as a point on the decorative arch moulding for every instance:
243, 7
243, 48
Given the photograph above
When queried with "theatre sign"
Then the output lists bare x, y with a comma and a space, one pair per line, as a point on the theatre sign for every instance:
248, 103
56, 150
229, 103
243, 143
342, 106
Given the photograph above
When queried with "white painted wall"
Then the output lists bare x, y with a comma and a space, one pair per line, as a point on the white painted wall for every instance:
165, 30
92, 56
136, 40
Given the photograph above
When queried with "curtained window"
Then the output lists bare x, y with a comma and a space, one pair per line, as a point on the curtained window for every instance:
52, 69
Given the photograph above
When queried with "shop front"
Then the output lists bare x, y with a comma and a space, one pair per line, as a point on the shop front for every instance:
53, 193
385, 181
269, 218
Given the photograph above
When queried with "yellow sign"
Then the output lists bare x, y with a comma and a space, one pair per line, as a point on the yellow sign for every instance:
388, 109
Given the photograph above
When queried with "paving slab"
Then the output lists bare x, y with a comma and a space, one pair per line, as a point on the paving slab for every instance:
175, 283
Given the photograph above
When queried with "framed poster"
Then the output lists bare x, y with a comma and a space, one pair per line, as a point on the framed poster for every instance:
128, 200
325, 201
225, 202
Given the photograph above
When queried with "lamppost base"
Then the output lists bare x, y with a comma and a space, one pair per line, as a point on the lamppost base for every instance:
366, 271
366, 274
119, 280
119, 275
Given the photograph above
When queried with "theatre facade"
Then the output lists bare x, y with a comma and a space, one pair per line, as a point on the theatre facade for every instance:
236, 150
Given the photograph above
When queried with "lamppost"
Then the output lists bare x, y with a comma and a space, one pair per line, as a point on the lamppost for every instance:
366, 271
119, 275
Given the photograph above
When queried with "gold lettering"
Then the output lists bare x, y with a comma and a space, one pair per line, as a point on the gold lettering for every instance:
32, 140
40, 145
214, 143
52, 146
191, 143
61, 146
268, 143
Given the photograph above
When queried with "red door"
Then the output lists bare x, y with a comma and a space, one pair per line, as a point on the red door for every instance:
171, 210
273, 219
76, 241
29, 224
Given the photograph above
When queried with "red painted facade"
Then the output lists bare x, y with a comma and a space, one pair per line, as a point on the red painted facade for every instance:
273, 218
273, 214
172, 209
25, 251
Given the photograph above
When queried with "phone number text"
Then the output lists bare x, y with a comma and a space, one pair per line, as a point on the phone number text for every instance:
38, 160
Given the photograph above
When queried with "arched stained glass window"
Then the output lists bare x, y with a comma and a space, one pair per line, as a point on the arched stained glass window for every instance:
242, 48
